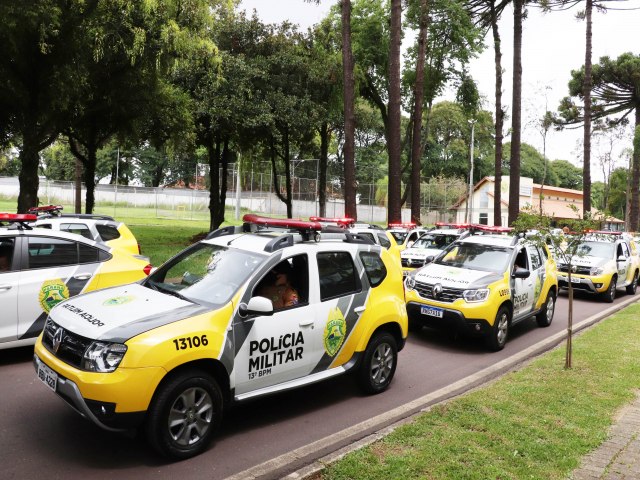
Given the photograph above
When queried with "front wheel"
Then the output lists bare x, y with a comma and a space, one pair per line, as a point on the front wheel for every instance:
184, 414
631, 289
610, 295
545, 317
500, 331
379, 363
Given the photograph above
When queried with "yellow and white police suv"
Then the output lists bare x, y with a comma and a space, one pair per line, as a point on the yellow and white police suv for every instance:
101, 228
483, 284
220, 323
602, 263
40, 268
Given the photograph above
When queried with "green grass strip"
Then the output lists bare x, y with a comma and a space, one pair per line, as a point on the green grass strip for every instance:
534, 423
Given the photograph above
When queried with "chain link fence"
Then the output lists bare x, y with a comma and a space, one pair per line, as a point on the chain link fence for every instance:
257, 194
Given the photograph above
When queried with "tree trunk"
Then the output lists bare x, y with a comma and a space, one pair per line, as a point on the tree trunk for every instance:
287, 173
516, 125
219, 214
28, 177
350, 184
395, 176
213, 153
418, 97
497, 187
322, 169
586, 92
78, 183
90, 180
635, 183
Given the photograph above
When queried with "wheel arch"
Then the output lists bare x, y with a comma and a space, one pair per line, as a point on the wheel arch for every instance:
393, 329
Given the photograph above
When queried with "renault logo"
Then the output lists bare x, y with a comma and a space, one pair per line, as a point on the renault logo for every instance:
57, 339
574, 269
437, 291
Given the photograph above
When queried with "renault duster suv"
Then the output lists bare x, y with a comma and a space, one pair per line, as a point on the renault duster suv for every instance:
169, 354
483, 284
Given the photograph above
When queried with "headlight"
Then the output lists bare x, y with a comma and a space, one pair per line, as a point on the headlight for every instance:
103, 357
596, 271
479, 295
410, 282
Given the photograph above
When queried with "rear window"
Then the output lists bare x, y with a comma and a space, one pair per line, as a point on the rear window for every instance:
374, 266
77, 228
108, 232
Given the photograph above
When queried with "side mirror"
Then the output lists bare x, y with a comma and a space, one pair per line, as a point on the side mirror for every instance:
429, 259
256, 306
521, 273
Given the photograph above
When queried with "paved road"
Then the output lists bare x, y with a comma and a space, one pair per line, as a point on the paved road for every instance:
41, 437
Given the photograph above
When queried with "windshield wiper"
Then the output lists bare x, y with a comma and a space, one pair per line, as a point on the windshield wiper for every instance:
169, 291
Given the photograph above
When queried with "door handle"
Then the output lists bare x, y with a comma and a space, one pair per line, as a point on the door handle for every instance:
306, 323
83, 276
4, 288
359, 310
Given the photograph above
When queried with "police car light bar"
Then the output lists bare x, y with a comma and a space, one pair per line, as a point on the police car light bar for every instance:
290, 223
403, 225
603, 232
488, 229
46, 209
454, 225
20, 218
339, 221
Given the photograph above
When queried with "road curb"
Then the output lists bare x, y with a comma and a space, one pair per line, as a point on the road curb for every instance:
387, 422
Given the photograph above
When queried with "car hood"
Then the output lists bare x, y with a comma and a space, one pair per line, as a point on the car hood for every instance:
119, 313
588, 261
454, 277
420, 252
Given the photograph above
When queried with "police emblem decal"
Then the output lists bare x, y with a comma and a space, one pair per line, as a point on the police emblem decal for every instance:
52, 292
334, 332
121, 300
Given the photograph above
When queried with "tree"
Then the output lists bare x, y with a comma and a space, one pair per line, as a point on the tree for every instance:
533, 165
569, 176
393, 138
614, 92
348, 82
516, 105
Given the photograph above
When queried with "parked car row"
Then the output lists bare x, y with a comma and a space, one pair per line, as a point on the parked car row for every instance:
272, 305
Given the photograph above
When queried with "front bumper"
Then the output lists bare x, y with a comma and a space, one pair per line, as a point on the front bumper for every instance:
114, 401
584, 283
451, 320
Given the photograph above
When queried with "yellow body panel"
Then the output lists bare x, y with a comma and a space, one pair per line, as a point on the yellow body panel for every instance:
127, 240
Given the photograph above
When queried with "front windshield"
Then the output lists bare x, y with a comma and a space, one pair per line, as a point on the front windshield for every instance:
474, 256
595, 249
206, 273
399, 236
437, 240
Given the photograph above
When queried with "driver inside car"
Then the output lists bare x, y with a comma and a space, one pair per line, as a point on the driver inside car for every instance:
276, 286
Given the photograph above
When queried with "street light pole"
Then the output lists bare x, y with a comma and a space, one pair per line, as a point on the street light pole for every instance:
470, 197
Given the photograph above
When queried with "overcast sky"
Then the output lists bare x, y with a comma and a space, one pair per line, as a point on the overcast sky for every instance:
553, 45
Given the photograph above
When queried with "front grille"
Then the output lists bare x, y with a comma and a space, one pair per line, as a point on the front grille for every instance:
578, 270
72, 346
425, 290
412, 262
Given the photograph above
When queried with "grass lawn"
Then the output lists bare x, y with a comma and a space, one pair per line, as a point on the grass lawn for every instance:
534, 423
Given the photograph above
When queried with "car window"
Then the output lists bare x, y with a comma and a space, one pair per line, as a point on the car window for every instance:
77, 228
89, 254
374, 266
384, 241
624, 250
206, 273
286, 284
44, 225
399, 236
6, 254
337, 275
107, 232
368, 235
536, 261
51, 252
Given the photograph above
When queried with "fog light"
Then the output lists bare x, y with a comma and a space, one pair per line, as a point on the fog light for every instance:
597, 285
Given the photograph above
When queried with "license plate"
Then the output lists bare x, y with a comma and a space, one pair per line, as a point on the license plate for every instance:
48, 376
432, 311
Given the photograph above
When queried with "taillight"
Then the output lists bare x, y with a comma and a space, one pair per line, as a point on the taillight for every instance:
147, 269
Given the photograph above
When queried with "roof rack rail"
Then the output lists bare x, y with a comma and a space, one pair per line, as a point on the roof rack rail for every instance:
357, 238
22, 220
228, 230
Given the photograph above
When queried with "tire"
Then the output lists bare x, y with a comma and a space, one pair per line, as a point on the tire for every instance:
545, 317
631, 289
610, 295
379, 363
499, 332
184, 414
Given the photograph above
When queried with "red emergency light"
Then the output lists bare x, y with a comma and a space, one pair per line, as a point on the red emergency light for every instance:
488, 229
46, 209
454, 225
292, 223
340, 221
409, 225
17, 217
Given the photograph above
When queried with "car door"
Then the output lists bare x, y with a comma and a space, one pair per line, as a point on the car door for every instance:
623, 265
52, 271
523, 288
9, 277
277, 348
